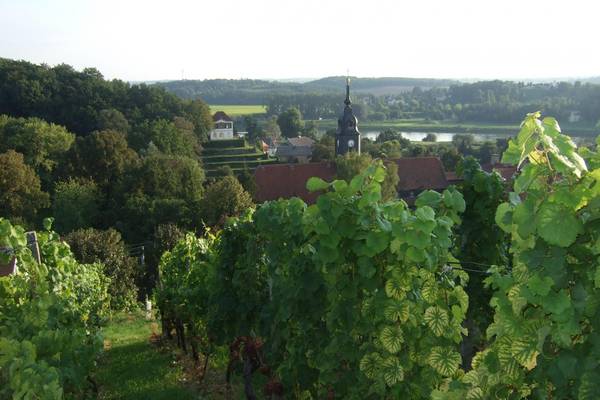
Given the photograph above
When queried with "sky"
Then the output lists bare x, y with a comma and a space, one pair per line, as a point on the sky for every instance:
276, 39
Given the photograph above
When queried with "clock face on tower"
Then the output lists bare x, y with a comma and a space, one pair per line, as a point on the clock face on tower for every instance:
350, 143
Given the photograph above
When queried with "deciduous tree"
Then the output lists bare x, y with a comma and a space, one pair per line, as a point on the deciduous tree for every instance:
76, 204
290, 122
21, 196
224, 198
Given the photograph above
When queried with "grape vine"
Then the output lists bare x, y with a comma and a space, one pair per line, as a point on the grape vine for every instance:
49, 319
546, 310
349, 296
357, 298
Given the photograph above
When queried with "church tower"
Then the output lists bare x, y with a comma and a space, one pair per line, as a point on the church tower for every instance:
347, 137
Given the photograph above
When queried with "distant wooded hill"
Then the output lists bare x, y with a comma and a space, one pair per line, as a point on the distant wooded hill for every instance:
252, 91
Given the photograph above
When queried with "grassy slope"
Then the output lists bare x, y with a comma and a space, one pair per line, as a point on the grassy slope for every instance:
134, 369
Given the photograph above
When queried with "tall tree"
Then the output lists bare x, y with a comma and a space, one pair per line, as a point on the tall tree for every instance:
21, 196
175, 138
75, 204
290, 122
163, 189
198, 113
224, 198
271, 129
43, 145
103, 156
112, 119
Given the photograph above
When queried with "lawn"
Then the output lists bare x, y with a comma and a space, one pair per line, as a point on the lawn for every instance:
238, 109
133, 368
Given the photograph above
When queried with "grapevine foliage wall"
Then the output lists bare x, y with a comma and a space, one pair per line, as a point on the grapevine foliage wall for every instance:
49, 318
545, 342
357, 298
350, 296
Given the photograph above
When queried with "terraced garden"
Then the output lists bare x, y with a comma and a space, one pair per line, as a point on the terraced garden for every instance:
236, 154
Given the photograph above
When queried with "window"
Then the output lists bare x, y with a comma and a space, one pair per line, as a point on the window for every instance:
350, 143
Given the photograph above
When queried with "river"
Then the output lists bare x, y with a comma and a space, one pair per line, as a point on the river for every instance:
441, 136
447, 136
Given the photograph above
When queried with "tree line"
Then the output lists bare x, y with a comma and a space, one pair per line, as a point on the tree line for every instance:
119, 159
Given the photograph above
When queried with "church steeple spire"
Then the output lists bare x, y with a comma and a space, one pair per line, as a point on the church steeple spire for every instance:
348, 135
347, 102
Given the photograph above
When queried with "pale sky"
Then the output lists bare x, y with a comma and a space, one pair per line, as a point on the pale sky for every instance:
154, 40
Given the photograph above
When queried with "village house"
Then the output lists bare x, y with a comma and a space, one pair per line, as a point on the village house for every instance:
295, 150
223, 127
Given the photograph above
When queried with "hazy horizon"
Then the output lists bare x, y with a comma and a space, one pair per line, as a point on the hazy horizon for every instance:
279, 40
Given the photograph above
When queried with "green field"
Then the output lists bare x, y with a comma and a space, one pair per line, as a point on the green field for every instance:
237, 109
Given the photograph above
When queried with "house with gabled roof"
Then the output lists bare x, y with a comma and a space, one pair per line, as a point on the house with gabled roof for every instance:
223, 127
295, 150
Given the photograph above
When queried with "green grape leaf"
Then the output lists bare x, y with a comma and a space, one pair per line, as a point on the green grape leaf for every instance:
392, 371
396, 311
540, 286
524, 350
429, 292
377, 242
567, 363
391, 338
370, 364
314, 184
556, 303
504, 214
454, 200
394, 289
425, 213
339, 185
48, 223
524, 218
556, 225
428, 198
589, 388
436, 319
444, 360
475, 394
379, 175
512, 155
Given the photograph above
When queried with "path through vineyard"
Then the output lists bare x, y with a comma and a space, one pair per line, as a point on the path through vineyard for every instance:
133, 368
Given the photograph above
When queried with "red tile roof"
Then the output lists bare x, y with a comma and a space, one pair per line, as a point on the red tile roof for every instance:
452, 178
420, 173
289, 180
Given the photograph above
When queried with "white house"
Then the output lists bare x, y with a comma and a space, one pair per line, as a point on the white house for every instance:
223, 128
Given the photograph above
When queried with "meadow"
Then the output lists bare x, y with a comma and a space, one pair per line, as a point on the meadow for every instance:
238, 109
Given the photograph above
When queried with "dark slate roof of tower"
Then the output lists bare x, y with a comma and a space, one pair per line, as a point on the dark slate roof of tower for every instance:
348, 123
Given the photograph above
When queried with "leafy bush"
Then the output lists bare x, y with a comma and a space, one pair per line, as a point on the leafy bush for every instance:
107, 248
